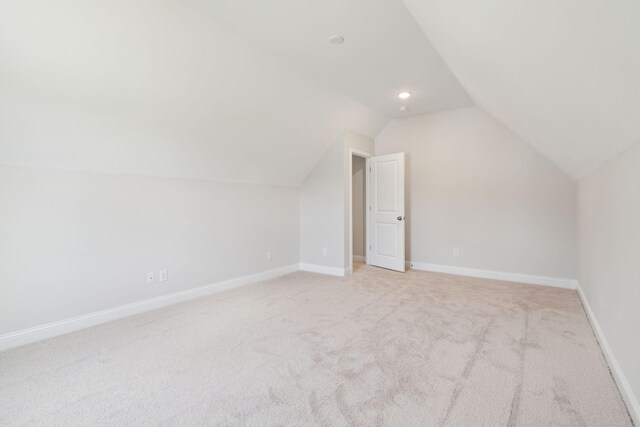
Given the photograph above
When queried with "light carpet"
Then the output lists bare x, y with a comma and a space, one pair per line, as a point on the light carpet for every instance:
376, 348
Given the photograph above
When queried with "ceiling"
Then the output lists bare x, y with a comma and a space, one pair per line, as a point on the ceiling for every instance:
385, 51
563, 75
252, 91
152, 87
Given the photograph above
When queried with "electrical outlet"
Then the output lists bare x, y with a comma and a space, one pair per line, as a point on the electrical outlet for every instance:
456, 252
268, 255
324, 251
151, 277
164, 275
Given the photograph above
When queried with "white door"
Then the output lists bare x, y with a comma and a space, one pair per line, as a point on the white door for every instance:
386, 209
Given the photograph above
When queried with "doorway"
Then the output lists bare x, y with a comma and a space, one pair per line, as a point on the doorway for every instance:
376, 214
358, 210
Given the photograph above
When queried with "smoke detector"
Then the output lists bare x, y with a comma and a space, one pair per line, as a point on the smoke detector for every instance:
336, 39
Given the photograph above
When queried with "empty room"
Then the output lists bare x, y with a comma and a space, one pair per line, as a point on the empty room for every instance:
320, 213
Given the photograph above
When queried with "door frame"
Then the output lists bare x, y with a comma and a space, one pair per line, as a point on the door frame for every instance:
366, 155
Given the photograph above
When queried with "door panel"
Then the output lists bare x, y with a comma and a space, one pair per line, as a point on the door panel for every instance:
386, 235
386, 186
386, 207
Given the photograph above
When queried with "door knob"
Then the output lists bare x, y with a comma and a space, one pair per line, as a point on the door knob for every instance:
400, 218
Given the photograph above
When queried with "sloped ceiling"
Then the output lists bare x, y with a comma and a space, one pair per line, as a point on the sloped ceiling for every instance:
564, 75
153, 87
385, 51
251, 91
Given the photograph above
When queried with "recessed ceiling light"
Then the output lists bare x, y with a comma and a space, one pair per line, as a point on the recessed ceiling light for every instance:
404, 108
404, 95
336, 39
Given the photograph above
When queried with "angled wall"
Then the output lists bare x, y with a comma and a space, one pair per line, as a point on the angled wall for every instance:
169, 93
564, 76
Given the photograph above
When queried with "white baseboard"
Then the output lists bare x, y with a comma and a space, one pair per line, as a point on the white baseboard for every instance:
359, 258
633, 405
332, 271
496, 275
49, 330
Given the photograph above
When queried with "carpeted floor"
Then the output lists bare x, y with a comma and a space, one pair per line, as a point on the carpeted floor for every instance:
378, 348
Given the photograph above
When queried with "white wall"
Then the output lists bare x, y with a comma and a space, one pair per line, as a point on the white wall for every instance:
325, 220
73, 243
609, 247
321, 210
358, 165
171, 94
474, 185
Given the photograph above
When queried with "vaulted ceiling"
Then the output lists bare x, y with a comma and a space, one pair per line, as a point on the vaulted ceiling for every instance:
252, 91
564, 75
385, 51
153, 87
